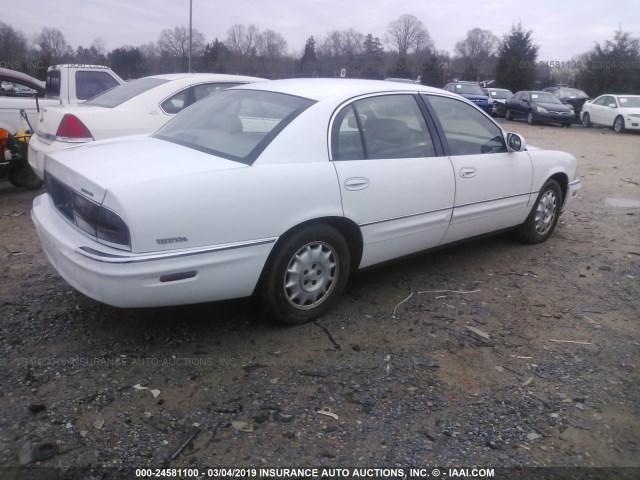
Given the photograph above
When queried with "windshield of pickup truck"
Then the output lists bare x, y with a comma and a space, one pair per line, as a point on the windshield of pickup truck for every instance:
120, 94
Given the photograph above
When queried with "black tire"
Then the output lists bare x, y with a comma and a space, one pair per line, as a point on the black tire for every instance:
31, 180
15, 176
544, 215
586, 120
507, 114
530, 119
618, 124
567, 125
305, 275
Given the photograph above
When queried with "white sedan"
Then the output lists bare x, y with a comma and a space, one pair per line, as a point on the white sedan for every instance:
621, 112
139, 106
282, 189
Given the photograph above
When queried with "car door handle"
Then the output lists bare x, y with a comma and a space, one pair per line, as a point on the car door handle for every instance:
356, 183
467, 172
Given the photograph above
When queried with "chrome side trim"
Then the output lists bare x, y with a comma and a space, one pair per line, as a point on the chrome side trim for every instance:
453, 207
103, 257
402, 217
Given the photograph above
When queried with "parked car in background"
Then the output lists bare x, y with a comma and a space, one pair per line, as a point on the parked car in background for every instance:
471, 91
18, 92
209, 206
498, 96
571, 96
621, 112
542, 107
139, 106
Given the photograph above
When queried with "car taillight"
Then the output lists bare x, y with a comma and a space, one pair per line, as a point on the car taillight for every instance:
71, 129
106, 226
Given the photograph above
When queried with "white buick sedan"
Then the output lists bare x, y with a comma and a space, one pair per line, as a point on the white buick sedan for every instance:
138, 106
282, 189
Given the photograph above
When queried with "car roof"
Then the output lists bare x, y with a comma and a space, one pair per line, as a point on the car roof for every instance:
322, 88
218, 77
12, 75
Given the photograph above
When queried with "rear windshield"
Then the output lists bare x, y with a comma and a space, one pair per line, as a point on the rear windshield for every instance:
234, 124
468, 89
124, 92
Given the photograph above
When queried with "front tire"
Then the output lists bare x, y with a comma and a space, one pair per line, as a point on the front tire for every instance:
544, 215
305, 275
618, 124
530, 119
586, 120
507, 115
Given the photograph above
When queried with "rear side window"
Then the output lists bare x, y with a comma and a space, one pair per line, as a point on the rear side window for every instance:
53, 83
384, 126
90, 84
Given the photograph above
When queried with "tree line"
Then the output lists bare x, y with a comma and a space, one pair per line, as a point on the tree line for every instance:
406, 50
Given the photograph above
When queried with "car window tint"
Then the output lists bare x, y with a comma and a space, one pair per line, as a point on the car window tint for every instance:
176, 102
392, 127
234, 124
124, 92
90, 84
468, 130
346, 141
206, 89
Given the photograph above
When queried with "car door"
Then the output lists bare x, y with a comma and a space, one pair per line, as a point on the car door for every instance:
393, 183
597, 111
493, 185
609, 111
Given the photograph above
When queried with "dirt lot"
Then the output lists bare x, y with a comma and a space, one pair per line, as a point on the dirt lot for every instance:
489, 354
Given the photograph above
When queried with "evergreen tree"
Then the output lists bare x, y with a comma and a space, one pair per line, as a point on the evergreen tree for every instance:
613, 67
516, 68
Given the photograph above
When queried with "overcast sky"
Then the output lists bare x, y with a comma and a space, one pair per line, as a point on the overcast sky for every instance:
561, 28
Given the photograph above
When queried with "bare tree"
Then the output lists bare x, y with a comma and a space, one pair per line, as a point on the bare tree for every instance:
271, 44
52, 43
243, 40
406, 33
174, 44
476, 53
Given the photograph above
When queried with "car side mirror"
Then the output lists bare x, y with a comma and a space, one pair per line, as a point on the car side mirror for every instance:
515, 142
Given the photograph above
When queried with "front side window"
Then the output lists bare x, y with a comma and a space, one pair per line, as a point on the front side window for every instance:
234, 124
468, 131
385, 126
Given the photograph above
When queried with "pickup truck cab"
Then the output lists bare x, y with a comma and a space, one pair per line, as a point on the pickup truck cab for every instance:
73, 83
66, 85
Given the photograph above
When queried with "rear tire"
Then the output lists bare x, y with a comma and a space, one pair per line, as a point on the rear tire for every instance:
544, 215
305, 275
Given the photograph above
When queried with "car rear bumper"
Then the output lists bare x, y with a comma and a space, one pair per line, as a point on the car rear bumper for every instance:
123, 279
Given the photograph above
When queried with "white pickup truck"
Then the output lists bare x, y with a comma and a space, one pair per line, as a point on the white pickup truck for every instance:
65, 85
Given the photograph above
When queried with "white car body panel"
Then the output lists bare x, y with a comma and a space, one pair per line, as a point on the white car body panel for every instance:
202, 227
396, 223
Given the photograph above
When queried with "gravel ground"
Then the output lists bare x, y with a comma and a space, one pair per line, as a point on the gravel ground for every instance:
490, 353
